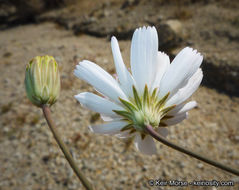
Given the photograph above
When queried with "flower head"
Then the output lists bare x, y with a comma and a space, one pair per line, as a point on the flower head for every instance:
153, 93
42, 80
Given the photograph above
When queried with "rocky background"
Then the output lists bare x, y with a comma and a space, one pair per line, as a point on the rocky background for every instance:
75, 30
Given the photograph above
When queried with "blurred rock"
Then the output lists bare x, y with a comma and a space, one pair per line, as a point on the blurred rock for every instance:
14, 12
109, 19
102, 29
123, 26
176, 26
232, 35
6, 10
129, 3
221, 75
169, 34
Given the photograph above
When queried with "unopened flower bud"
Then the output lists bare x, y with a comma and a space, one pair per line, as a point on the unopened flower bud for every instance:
42, 80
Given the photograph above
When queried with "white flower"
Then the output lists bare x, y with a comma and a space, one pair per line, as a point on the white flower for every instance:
155, 92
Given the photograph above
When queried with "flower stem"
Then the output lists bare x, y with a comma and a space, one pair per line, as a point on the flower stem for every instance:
161, 139
47, 113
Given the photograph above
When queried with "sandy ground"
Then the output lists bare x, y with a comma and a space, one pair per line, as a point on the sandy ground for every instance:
30, 158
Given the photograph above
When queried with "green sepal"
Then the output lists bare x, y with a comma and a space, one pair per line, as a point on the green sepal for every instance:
154, 94
167, 117
127, 127
146, 96
128, 105
137, 98
132, 131
162, 101
167, 109
124, 114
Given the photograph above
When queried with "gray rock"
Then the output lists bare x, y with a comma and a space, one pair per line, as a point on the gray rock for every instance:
169, 34
15, 12
221, 76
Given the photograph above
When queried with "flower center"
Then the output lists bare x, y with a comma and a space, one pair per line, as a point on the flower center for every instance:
144, 110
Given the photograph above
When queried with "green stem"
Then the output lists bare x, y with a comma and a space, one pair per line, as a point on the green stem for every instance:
47, 113
161, 139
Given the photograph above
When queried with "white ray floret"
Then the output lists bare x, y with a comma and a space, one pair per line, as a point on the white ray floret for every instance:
153, 94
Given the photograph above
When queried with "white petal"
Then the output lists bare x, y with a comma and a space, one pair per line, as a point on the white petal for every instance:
100, 79
125, 78
162, 131
97, 103
185, 92
185, 64
176, 119
144, 49
146, 146
111, 128
162, 65
183, 107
